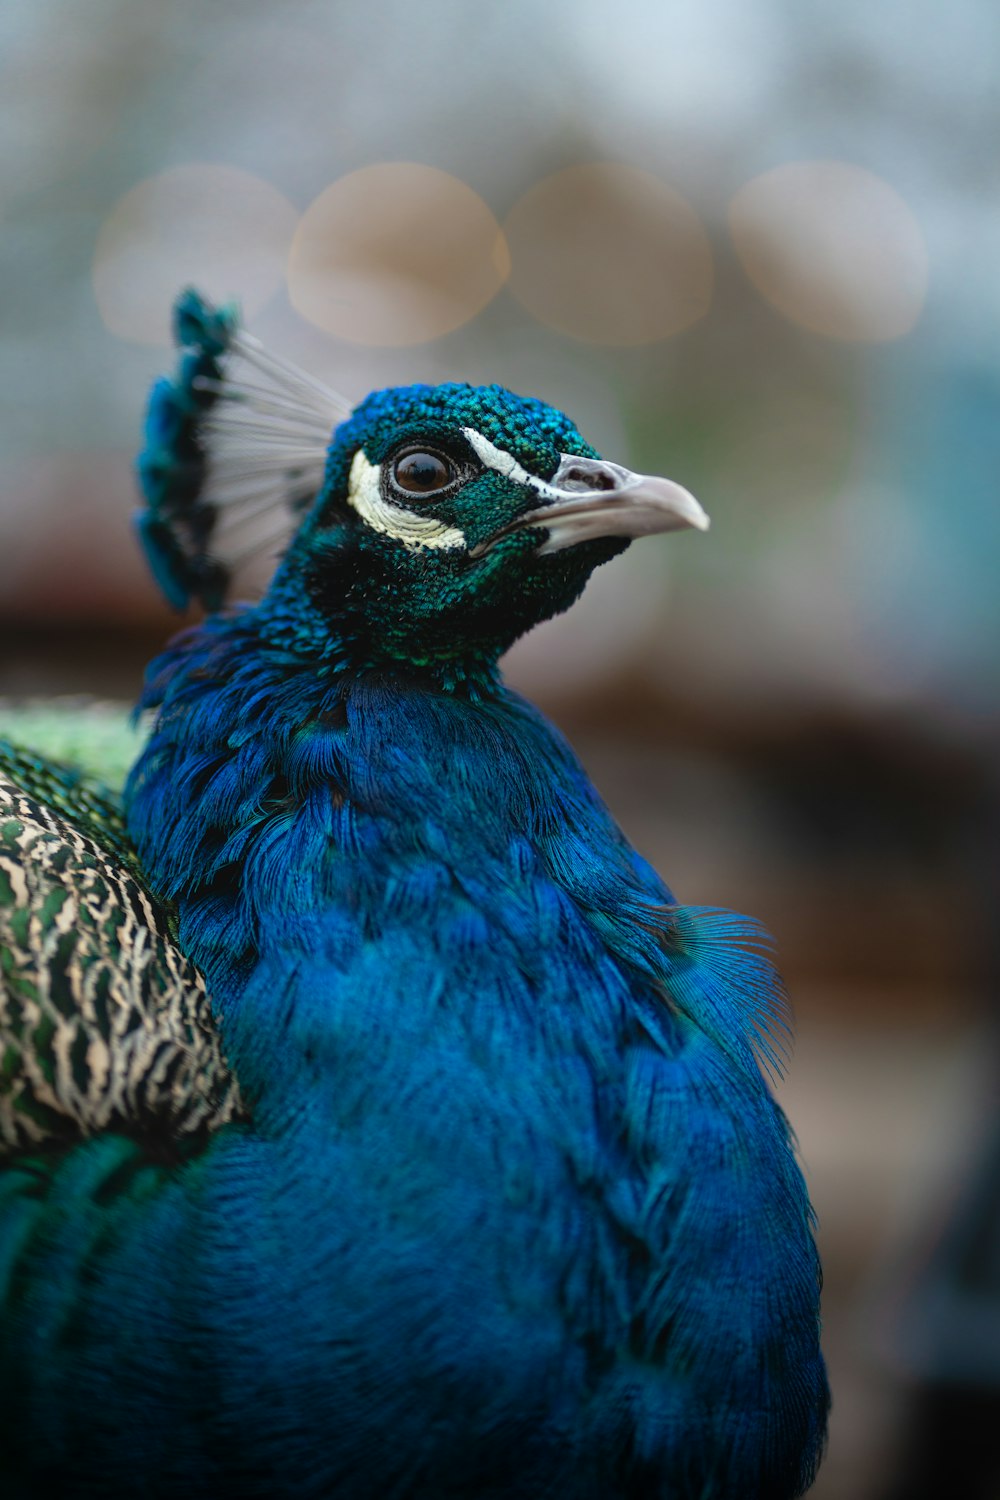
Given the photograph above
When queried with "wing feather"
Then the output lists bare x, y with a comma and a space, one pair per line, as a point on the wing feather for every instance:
104, 1023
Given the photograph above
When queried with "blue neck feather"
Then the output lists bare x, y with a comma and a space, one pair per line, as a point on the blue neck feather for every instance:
290, 798
434, 954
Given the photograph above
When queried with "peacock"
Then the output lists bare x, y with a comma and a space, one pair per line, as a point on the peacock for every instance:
375, 1124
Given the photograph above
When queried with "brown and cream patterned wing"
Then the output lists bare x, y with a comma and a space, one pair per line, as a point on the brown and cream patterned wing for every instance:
105, 1025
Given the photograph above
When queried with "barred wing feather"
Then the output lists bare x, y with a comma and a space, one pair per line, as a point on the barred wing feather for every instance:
104, 1024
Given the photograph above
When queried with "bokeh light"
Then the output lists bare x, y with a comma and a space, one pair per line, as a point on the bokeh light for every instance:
609, 254
834, 248
216, 227
396, 254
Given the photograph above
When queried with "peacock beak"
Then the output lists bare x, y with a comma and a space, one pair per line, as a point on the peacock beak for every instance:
588, 498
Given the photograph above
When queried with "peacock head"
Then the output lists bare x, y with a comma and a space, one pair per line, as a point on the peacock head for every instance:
438, 525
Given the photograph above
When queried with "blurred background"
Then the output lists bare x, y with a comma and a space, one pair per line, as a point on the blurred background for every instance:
749, 244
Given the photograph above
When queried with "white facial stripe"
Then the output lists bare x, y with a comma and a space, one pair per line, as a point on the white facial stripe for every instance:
506, 464
405, 526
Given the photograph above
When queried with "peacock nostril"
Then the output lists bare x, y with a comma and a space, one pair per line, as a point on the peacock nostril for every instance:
579, 478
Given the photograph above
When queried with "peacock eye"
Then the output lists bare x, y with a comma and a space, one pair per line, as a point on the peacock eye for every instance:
421, 473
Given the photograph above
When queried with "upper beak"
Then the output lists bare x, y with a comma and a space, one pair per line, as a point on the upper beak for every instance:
590, 497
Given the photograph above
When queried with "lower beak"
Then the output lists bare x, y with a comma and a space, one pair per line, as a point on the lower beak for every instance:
588, 498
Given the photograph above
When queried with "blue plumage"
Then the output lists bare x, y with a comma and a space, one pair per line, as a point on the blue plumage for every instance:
514, 1213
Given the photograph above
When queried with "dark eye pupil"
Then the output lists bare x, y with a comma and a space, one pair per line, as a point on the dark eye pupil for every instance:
421, 473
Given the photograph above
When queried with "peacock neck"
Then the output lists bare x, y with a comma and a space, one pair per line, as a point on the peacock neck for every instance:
296, 819
321, 620
277, 801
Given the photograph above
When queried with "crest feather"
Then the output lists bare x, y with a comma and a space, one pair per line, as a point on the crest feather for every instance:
235, 450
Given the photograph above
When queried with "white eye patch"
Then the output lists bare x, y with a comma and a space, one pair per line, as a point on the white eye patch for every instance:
407, 527
410, 528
